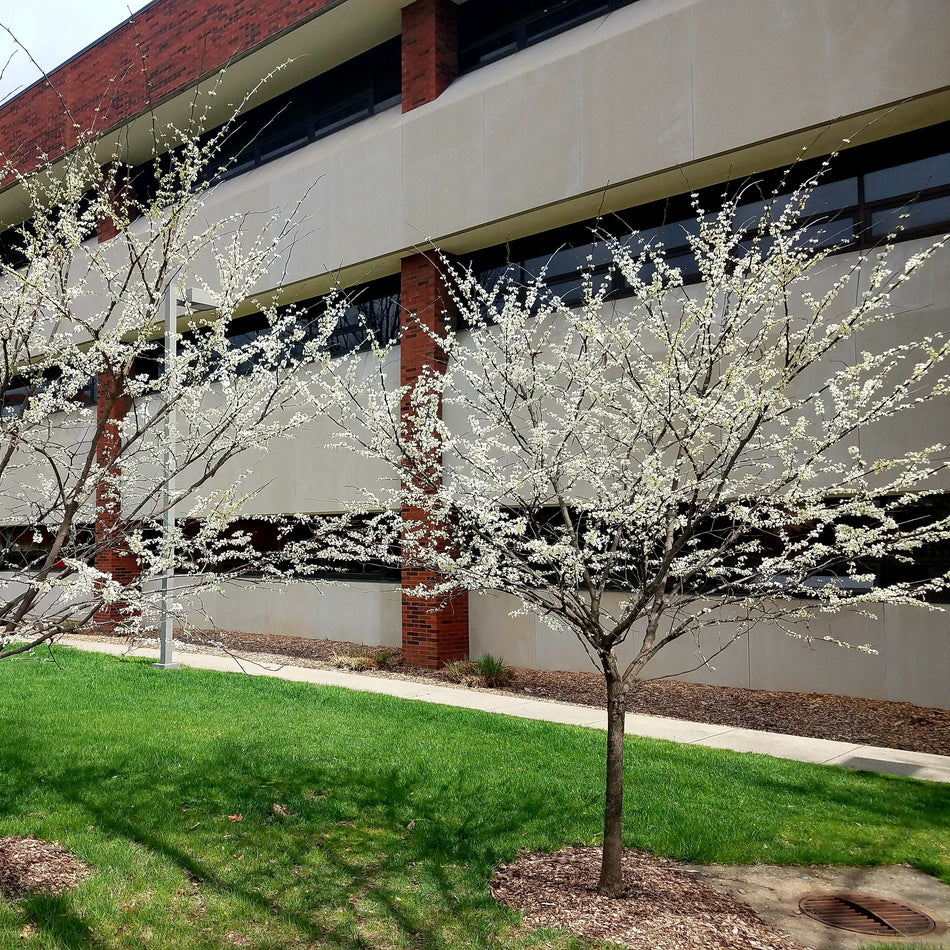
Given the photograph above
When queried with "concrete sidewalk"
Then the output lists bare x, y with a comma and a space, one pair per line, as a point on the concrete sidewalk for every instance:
934, 768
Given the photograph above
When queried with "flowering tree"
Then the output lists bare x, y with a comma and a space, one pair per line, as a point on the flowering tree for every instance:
102, 431
659, 465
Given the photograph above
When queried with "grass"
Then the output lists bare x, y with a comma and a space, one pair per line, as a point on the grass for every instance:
398, 811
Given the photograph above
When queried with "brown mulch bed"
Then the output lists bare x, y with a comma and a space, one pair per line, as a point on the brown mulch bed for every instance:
817, 715
29, 865
662, 906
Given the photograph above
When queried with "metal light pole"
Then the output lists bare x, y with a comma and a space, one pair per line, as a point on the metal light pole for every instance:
171, 305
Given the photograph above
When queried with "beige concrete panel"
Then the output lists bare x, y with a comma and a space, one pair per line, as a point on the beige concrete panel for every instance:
911, 431
366, 211
361, 613
346, 192
525, 640
635, 99
760, 69
696, 659
922, 306
711, 655
885, 50
778, 661
560, 650
529, 641
763, 68
532, 139
917, 655
12, 586
492, 630
443, 164
301, 472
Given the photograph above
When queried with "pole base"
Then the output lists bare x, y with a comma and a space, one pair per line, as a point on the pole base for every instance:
167, 666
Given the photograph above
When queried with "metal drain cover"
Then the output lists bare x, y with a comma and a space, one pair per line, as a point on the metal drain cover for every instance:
867, 914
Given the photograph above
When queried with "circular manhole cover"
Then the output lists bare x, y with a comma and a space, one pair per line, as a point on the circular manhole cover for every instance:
867, 914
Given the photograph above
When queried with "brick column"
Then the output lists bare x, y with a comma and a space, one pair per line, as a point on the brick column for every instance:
113, 558
430, 59
434, 631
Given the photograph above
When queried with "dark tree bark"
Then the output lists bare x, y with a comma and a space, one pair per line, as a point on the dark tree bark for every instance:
611, 870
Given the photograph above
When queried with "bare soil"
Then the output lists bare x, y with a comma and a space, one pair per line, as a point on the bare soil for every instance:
816, 715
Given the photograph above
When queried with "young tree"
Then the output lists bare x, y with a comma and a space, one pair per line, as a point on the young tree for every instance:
102, 431
650, 467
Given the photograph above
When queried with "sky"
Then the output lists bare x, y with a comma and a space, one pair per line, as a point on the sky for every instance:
52, 30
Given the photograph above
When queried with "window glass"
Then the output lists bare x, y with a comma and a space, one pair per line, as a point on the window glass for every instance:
832, 195
565, 260
838, 230
832, 215
491, 29
557, 17
668, 236
908, 178
282, 140
909, 217
329, 102
828, 197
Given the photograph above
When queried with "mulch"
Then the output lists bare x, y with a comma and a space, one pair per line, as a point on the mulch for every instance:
662, 907
872, 722
30, 865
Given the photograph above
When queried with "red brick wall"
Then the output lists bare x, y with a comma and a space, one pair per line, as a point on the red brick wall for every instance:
114, 559
166, 48
434, 632
429, 50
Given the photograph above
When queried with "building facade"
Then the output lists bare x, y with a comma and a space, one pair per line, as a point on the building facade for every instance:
501, 133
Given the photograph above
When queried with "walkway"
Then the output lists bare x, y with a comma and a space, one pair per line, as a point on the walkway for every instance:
934, 768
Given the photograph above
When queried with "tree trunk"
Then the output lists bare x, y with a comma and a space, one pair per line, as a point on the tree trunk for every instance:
611, 870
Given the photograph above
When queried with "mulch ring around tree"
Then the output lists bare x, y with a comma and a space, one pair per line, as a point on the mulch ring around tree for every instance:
30, 866
662, 906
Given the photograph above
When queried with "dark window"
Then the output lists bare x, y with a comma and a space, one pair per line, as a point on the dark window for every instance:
360, 87
256, 546
356, 89
491, 29
12, 248
19, 243
25, 547
928, 562
899, 186
372, 308
23, 387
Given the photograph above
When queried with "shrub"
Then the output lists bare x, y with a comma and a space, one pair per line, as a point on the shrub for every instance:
493, 670
487, 670
367, 659
462, 672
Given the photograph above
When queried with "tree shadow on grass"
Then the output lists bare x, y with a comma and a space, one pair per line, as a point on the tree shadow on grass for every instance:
372, 842
382, 845
56, 916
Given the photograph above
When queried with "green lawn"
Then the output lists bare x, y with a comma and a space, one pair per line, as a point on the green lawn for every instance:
398, 811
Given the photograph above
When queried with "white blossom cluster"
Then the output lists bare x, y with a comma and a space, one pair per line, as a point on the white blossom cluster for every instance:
695, 448
166, 432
